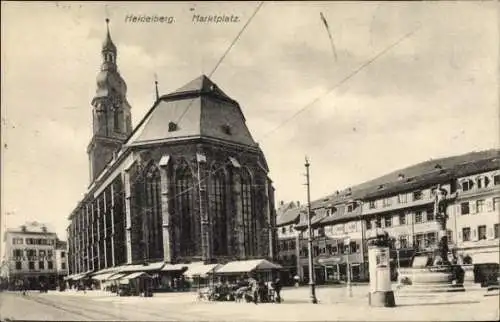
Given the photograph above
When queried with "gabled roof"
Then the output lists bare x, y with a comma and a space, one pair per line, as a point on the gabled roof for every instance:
422, 174
289, 216
198, 109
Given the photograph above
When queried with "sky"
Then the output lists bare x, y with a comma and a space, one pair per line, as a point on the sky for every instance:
432, 95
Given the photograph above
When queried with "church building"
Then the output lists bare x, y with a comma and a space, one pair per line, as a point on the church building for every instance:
188, 183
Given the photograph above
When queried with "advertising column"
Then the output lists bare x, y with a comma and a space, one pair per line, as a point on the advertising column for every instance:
381, 293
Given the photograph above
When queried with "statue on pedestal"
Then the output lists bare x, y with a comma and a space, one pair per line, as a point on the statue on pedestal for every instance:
441, 251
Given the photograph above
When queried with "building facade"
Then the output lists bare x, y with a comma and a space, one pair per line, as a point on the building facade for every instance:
402, 204
61, 254
188, 184
31, 256
287, 239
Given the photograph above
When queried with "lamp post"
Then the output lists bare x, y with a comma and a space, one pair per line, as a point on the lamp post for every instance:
363, 233
310, 248
347, 241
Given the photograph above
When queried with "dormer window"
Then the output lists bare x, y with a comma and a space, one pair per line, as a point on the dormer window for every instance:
172, 126
226, 128
479, 182
467, 185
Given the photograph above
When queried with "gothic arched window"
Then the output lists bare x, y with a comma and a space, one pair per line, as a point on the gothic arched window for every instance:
249, 223
184, 211
218, 212
153, 213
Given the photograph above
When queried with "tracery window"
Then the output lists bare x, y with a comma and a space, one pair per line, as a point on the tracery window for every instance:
249, 222
153, 211
184, 210
219, 214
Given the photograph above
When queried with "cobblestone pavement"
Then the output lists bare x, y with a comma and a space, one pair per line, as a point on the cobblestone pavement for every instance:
334, 305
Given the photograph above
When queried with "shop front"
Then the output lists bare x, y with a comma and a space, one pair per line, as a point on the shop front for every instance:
201, 275
262, 269
135, 284
334, 268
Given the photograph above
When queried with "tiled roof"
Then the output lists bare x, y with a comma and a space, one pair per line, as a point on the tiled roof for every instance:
434, 175
198, 109
199, 85
291, 215
423, 174
284, 208
32, 227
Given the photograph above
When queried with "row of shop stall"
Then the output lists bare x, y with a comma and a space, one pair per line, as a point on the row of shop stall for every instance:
145, 279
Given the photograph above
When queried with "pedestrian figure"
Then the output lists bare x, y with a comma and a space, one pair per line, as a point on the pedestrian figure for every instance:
277, 290
297, 279
255, 289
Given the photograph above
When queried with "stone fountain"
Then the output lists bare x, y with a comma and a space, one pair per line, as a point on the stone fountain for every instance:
432, 271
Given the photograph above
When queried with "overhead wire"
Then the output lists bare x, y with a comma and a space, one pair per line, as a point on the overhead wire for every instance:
286, 121
223, 56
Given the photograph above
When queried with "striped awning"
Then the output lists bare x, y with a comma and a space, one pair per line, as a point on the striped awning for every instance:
246, 266
200, 269
75, 277
102, 277
174, 267
141, 267
135, 275
116, 277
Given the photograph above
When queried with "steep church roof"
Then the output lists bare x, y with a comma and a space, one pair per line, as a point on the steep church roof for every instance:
197, 109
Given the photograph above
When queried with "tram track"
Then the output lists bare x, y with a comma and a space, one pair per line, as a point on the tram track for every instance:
83, 308
71, 307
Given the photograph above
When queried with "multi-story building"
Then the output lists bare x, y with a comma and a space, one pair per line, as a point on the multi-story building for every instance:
474, 219
338, 236
188, 184
30, 255
402, 204
61, 252
287, 247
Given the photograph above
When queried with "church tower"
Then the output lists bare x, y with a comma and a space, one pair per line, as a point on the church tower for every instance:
112, 121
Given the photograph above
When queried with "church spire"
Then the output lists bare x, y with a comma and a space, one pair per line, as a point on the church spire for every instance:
108, 43
108, 51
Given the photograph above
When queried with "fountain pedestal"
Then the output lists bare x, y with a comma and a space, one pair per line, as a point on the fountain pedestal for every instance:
432, 279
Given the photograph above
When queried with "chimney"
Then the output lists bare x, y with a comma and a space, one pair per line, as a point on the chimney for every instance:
298, 203
282, 203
